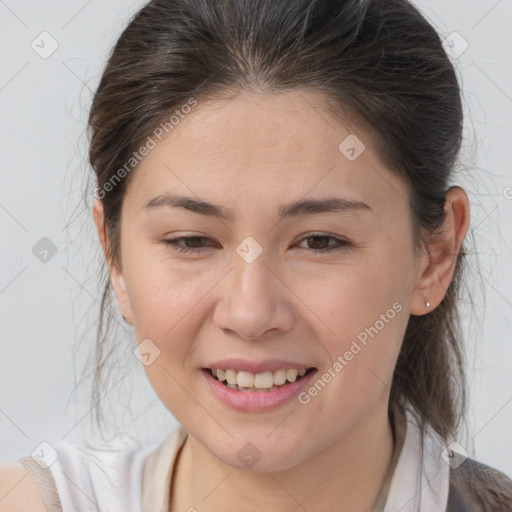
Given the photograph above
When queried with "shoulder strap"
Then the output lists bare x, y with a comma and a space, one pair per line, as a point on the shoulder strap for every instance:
89, 478
158, 471
45, 483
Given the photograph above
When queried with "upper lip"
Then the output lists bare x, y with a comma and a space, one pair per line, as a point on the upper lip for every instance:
268, 365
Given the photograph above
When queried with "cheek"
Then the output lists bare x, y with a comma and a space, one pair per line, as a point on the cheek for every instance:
361, 314
165, 309
364, 323
167, 306
162, 290
170, 304
352, 299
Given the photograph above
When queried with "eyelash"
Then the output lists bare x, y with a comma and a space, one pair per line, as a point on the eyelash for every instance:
174, 244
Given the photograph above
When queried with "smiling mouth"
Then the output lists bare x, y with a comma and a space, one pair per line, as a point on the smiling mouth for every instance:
259, 382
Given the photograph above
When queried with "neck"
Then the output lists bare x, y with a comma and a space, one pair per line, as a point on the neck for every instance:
347, 476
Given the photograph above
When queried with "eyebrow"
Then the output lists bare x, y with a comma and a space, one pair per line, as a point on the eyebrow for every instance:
301, 207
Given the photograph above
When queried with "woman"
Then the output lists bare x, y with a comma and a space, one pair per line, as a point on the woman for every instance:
274, 204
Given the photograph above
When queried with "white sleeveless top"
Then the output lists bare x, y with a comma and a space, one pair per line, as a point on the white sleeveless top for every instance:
138, 478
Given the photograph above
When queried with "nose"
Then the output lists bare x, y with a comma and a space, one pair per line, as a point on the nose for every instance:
254, 302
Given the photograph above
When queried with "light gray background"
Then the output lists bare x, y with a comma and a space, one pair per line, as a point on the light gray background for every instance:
44, 307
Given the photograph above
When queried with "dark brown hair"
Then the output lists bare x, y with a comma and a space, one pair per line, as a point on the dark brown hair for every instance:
379, 65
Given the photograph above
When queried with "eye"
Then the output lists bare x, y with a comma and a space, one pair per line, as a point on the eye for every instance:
182, 244
312, 239
176, 243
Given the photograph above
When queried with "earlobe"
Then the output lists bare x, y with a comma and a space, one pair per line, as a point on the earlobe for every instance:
122, 283
119, 284
116, 277
100, 224
443, 251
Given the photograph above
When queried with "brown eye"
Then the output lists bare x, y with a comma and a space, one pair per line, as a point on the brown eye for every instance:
320, 243
317, 244
195, 241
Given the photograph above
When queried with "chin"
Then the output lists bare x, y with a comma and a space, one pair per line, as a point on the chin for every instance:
259, 455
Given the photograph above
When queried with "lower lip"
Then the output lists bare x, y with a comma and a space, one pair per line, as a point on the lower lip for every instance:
251, 401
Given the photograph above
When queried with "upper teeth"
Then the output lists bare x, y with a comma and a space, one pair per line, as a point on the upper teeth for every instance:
258, 380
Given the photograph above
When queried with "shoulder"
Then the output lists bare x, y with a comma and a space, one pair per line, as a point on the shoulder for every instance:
74, 476
476, 487
18, 492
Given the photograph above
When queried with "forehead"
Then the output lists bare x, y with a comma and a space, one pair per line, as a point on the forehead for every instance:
270, 146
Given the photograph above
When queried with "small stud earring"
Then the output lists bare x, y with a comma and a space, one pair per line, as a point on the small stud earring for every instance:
427, 304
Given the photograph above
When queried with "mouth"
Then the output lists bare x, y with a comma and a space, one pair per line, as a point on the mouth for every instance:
262, 382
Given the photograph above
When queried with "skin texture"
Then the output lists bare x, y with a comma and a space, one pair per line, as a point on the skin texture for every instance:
252, 154
18, 492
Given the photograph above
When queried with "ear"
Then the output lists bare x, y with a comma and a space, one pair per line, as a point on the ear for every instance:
436, 269
116, 275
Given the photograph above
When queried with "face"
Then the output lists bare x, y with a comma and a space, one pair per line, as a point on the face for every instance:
264, 284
